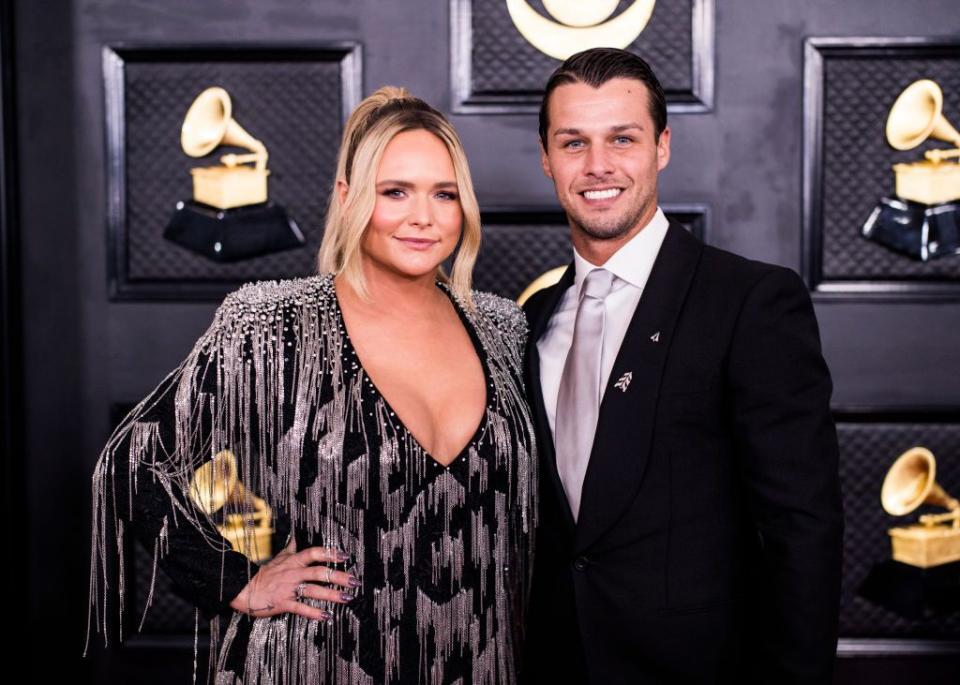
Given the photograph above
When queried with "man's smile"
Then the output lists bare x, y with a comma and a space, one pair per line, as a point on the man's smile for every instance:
601, 197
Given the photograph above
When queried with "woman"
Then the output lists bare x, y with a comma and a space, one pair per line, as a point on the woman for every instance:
379, 408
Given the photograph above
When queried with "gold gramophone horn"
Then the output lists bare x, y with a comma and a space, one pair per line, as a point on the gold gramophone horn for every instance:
544, 280
912, 481
917, 115
209, 123
214, 486
213, 483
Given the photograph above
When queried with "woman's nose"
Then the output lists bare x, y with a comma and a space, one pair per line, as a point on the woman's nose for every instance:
421, 213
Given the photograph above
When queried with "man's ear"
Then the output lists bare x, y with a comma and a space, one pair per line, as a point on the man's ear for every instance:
342, 189
663, 149
545, 162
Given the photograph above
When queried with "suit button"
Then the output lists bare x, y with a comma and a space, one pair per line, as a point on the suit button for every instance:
580, 564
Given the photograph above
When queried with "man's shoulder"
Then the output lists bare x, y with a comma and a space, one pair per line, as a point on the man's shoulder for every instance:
535, 303
740, 274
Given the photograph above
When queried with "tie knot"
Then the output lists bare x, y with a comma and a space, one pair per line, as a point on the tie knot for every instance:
598, 284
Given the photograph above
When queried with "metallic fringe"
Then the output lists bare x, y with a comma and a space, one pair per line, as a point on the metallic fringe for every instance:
269, 379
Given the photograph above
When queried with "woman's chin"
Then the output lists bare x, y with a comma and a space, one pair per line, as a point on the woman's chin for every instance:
407, 270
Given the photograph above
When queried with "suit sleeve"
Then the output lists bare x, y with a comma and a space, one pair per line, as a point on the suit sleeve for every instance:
787, 445
140, 491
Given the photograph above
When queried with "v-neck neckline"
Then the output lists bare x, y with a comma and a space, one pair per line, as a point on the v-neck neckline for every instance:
400, 423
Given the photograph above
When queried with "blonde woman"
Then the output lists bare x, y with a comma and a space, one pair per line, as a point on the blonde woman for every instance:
379, 409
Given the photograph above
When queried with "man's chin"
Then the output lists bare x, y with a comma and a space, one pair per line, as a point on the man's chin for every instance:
603, 231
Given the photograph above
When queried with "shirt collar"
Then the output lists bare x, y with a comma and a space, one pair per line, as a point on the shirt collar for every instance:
633, 262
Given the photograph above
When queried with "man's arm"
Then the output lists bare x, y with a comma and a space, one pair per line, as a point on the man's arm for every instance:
786, 442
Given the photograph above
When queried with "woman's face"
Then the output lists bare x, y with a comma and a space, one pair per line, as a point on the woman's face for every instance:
417, 217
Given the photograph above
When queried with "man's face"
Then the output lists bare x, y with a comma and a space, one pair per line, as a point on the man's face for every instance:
602, 157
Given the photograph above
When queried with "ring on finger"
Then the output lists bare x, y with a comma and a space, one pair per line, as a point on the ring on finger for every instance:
298, 593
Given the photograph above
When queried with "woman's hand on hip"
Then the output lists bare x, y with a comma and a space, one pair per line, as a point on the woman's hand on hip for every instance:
283, 582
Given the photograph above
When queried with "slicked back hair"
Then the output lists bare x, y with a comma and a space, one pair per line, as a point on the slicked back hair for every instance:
595, 67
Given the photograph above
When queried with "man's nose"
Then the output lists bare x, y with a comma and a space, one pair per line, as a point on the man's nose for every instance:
598, 162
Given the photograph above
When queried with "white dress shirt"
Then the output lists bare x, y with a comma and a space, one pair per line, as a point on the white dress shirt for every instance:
631, 265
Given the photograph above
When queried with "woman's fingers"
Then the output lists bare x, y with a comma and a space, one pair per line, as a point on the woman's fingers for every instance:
312, 555
325, 574
306, 610
327, 594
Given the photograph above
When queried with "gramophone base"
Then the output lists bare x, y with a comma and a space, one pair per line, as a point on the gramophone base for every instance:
925, 182
925, 546
253, 541
923, 232
230, 235
913, 592
229, 187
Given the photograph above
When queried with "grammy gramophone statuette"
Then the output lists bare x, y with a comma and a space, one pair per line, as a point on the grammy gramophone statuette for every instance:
229, 217
923, 576
923, 220
247, 520
910, 482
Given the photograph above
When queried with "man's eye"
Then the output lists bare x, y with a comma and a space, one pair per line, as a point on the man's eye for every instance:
623, 140
573, 144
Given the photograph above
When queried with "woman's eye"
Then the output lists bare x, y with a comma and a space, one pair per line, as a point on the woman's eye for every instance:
444, 195
394, 192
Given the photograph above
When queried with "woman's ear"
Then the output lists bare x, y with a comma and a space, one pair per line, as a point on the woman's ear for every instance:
342, 189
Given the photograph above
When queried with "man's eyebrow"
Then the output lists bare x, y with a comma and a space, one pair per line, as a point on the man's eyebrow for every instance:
625, 127
618, 128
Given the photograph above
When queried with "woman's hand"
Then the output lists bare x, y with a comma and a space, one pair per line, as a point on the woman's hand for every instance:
281, 584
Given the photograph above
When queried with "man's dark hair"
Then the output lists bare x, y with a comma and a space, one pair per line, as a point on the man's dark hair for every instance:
595, 67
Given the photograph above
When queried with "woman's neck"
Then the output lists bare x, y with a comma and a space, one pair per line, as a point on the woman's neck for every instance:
394, 294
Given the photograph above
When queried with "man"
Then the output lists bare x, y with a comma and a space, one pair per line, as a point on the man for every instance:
691, 524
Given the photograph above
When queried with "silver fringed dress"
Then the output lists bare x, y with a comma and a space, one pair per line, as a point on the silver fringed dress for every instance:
443, 553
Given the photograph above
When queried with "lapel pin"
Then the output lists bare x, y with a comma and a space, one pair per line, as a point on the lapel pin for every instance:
624, 381
655, 337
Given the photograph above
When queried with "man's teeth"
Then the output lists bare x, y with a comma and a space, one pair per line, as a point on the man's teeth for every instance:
601, 194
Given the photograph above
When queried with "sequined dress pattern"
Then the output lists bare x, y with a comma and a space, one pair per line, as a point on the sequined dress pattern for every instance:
443, 554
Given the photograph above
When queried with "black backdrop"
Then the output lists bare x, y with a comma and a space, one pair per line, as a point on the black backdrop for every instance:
737, 173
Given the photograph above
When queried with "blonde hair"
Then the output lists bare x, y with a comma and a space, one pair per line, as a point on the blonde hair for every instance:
371, 126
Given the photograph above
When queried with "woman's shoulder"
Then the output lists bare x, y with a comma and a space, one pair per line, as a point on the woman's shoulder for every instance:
504, 313
257, 303
273, 294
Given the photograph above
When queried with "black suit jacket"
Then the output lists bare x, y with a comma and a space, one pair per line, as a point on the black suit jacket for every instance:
708, 546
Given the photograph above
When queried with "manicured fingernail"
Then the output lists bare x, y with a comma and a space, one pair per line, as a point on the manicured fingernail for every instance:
326, 616
346, 596
353, 582
342, 556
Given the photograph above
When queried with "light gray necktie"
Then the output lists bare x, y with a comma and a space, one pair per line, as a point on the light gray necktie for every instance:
578, 402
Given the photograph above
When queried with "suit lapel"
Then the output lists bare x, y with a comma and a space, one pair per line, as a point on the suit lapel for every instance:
541, 317
621, 447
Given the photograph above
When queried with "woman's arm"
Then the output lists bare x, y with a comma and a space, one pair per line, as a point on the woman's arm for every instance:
232, 392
